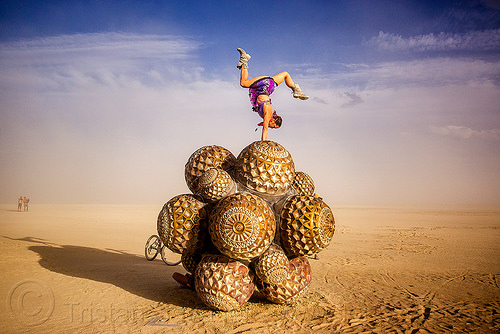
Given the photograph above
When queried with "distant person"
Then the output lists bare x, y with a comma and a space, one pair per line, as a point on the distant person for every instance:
260, 88
26, 203
20, 203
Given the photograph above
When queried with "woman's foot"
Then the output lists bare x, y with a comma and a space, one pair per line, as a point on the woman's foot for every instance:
244, 58
298, 93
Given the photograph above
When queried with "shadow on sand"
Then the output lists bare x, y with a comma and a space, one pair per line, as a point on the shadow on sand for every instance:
148, 279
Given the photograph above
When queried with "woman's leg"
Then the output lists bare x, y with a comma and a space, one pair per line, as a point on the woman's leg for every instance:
244, 82
284, 76
297, 92
243, 66
244, 78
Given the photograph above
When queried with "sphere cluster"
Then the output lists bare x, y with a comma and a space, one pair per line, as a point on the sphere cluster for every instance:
250, 223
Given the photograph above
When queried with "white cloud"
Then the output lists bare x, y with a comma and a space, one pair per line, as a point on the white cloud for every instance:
465, 132
432, 72
473, 40
82, 61
131, 44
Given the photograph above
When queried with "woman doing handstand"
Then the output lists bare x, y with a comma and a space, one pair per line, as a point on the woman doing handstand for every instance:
260, 88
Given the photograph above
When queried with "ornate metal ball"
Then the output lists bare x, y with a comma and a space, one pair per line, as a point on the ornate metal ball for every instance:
190, 259
215, 184
293, 287
307, 225
207, 157
242, 226
179, 222
266, 167
303, 184
272, 266
223, 283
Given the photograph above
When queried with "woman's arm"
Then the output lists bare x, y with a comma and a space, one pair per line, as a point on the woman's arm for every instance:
265, 129
268, 114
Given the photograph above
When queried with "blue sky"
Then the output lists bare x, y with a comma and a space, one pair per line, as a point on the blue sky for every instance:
104, 101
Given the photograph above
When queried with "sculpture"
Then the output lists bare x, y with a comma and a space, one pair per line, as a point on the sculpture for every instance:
223, 283
242, 226
179, 222
303, 184
272, 266
266, 167
307, 225
293, 287
253, 209
215, 183
203, 159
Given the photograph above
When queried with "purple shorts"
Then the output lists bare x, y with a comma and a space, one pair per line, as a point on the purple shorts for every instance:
264, 86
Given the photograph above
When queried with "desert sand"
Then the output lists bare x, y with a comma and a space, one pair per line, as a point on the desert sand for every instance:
81, 269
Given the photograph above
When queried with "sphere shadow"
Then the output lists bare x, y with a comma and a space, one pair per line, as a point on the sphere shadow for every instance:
148, 279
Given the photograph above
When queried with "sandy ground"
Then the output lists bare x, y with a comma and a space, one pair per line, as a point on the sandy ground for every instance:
80, 269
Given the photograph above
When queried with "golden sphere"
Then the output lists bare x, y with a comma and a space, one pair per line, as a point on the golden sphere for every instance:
242, 226
204, 158
215, 184
303, 184
179, 222
307, 225
190, 259
223, 283
272, 266
293, 287
265, 166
